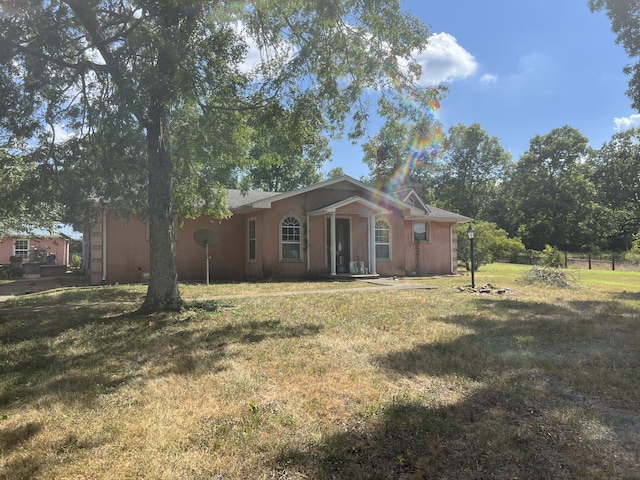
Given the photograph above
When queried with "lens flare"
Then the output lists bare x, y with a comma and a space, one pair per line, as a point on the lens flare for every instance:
428, 141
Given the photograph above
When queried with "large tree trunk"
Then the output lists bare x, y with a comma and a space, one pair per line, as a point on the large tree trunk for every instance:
162, 294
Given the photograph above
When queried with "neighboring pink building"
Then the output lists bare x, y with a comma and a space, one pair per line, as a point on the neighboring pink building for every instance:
54, 247
337, 227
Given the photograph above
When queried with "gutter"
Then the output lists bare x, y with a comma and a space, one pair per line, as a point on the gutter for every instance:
104, 245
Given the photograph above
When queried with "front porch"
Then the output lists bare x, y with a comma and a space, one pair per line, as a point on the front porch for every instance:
349, 227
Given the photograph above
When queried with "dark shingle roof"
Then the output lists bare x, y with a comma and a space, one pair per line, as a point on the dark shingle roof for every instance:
238, 198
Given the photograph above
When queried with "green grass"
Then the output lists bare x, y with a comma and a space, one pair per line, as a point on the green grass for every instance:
537, 382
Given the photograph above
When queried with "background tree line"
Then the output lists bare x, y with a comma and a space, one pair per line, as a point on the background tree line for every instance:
560, 192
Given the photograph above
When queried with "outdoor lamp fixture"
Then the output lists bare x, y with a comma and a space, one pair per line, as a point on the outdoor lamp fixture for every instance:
470, 234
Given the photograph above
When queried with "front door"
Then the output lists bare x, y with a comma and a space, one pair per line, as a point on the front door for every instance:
343, 244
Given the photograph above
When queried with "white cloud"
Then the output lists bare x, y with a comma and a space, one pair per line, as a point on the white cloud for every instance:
61, 134
626, 123
444, 60
488, 79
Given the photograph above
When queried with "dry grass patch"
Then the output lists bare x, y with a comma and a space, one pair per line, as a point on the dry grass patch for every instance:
413, 384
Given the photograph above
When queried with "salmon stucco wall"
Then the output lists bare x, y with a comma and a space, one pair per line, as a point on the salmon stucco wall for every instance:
396, 264
127, 251
126, 256
433, 257
226, 258
273, 265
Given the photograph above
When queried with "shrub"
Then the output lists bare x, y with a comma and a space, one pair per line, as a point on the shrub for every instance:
551, 256
633, 254
490, 243
11, 272
75, 262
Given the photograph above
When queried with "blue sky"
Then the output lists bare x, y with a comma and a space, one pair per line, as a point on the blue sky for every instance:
519, 68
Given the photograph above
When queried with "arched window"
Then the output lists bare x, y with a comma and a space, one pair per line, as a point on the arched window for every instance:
383, 240
290, 238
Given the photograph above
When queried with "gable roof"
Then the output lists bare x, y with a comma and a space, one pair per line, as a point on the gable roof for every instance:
412, 195
240, 202
349, 201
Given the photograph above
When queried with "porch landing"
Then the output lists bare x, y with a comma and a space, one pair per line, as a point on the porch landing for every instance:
356, 276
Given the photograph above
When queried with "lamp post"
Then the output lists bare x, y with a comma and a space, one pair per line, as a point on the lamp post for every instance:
470, 234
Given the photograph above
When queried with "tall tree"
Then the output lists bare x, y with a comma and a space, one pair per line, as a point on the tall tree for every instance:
335, 172
617, 180
472, 169
23, 205
405, 149
288, 149
625, 23
553, 195
100, 67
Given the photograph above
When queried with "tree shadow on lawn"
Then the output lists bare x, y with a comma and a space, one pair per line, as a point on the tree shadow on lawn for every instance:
13, 438
517, 416
635, 296
590, 345
73, 297
489, 434
92, 351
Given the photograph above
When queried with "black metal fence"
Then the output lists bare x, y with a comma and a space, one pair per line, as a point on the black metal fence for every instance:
589, 261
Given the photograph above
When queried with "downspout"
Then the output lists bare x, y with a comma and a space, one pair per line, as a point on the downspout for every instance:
451, 260
369, 264
104, 245
308, 245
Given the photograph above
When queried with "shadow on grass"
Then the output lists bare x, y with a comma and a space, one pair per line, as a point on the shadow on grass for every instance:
635, 296
490, 434
14, 438
74, 357
519, 415
76, 296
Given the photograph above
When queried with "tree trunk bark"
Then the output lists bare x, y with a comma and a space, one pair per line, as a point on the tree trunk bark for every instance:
162, 294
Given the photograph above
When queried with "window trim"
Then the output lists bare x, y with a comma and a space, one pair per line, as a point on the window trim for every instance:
253, 239
376, 242
282, 242
427, 232
24, 252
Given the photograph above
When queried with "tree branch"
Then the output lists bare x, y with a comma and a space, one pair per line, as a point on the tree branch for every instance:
79, 67
90, 22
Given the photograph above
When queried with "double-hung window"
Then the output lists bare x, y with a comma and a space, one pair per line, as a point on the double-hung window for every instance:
420, 232
290, 236
21, 249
